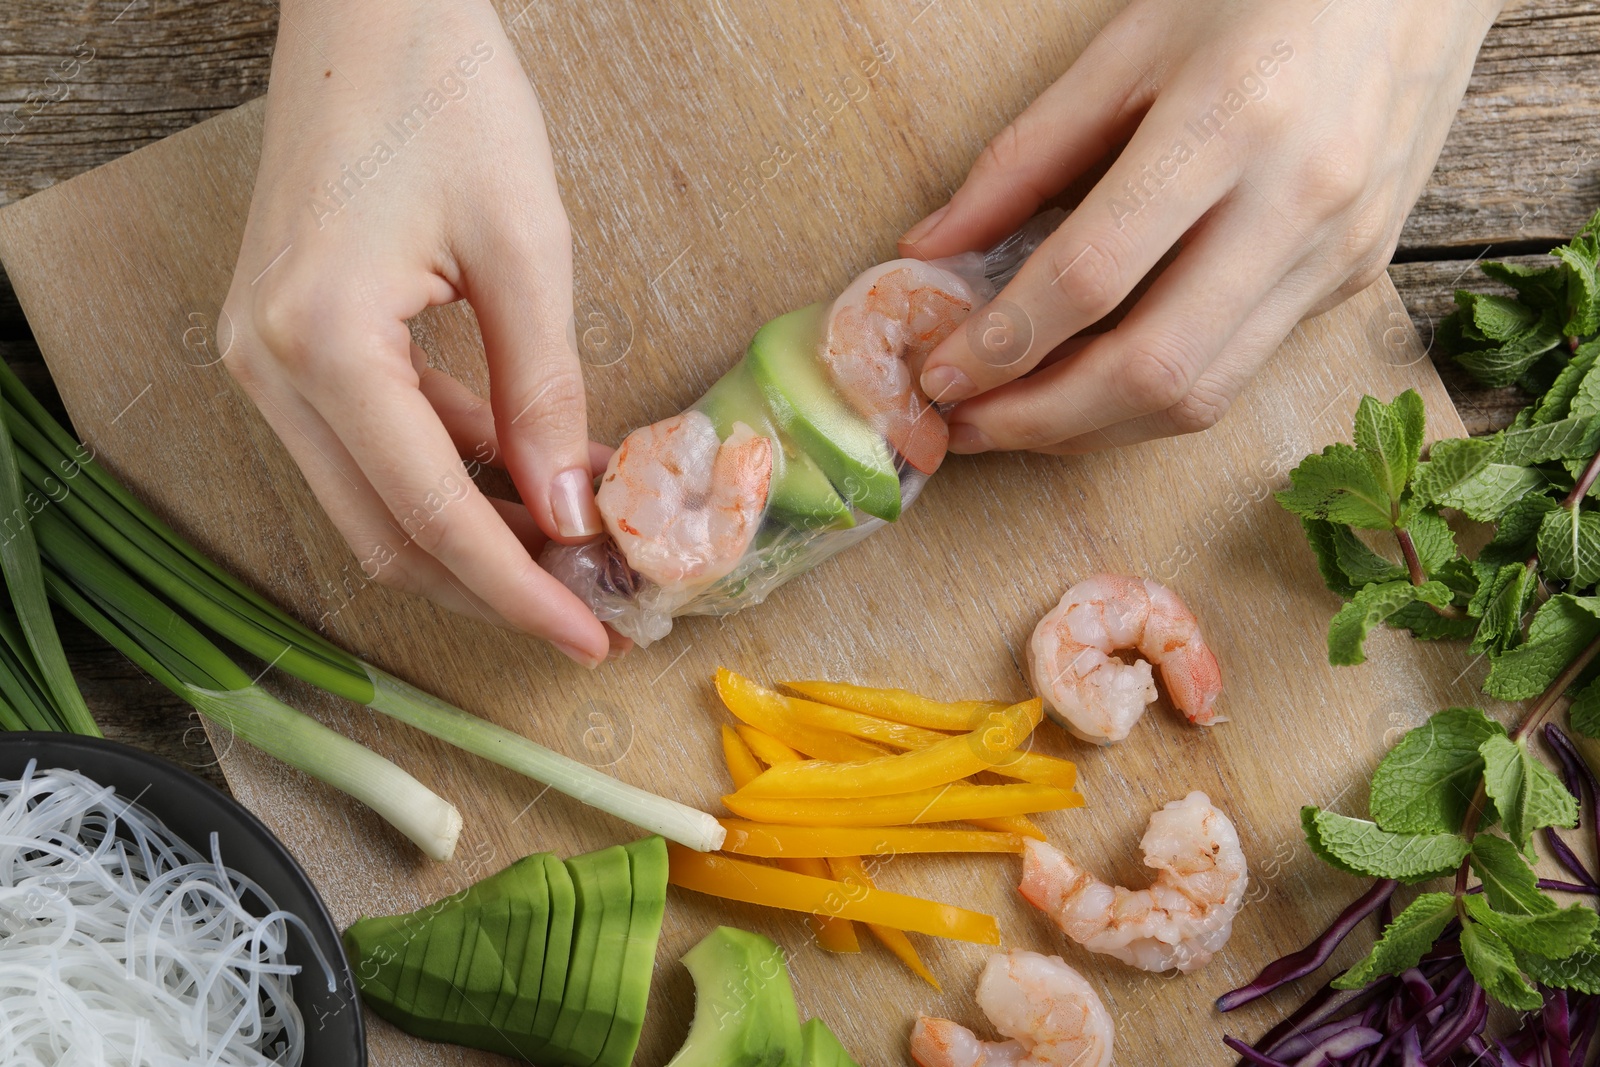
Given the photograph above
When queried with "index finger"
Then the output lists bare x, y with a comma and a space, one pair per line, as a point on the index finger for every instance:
1129, 220
396, 438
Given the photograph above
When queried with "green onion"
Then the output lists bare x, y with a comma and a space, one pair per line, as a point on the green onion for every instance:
90, 585
19, 561
89, 501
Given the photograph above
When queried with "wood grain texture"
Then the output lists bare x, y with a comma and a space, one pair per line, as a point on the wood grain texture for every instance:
117, 268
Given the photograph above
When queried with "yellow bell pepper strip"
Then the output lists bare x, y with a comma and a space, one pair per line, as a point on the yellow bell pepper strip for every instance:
1023, 766
851, 871
767, 711
835, 935
1020, 825
743, 767
776, 841
768, 749
990, 744
945, 803
897, 705
756, 883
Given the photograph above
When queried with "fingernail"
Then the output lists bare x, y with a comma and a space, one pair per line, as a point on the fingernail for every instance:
966, 439
572, 503
946, 385
582, 656
924, 228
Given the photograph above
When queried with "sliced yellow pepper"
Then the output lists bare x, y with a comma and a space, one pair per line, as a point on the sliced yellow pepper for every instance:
835, 935
1020, 825
851, 871
776, 841
946, 803
897, 705
768, 712
755, 883
990, 744
1023, 766
768, 749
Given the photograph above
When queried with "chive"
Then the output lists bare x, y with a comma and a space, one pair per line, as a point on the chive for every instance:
19, 561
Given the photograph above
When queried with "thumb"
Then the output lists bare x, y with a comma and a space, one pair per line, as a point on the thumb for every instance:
536, 385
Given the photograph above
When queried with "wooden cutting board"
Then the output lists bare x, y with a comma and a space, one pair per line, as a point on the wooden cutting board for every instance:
666, 116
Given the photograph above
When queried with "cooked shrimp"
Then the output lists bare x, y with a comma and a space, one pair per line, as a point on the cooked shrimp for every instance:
1088, 689
1181, 921
1051, 1014
683, 505
882, 327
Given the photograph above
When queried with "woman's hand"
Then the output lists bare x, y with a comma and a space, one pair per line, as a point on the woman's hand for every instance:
1281, 144
405, 164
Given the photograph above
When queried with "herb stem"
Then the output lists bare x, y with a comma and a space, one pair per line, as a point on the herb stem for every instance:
1585, 481
1408, 549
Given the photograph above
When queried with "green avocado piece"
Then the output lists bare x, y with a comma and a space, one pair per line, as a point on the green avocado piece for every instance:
647, 863
599, 1003
527, 918
557, 950
820, 1048
589, 916
784, 363
801, 495
744, 1011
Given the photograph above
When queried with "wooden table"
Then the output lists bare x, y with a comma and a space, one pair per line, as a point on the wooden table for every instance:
82, 83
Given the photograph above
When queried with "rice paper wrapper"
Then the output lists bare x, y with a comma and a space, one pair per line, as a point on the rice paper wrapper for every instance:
792, 456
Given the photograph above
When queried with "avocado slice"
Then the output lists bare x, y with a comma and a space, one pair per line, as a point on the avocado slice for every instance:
744, 1011
599, 1003
557, 953
528, 919
801, 495
784, 362
588, 918
647, 862
820, 1048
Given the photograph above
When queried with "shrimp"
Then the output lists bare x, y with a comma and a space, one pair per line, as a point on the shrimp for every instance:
1181, 921
1094, 694
683, 505
880, 329
1051, 1014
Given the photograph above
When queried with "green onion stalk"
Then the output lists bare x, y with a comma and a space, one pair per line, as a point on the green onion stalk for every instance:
84, 499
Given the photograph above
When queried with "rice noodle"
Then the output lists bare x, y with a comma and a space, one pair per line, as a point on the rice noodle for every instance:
120, 944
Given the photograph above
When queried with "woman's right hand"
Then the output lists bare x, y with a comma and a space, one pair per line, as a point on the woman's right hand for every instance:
404, 164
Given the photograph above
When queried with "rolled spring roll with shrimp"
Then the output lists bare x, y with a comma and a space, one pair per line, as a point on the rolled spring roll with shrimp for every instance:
817, 437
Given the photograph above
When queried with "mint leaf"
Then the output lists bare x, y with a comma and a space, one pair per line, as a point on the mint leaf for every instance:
1466, 473
1561, 627
1404, 942
1356, 846
1390, 436
1555, 934
1360, 564
1426, 782
1566, 439
1499, 318
1585, 711
1541, 287
1433, 539
1580, 971
1569, 545
1426, 624
1323, 536
1509, 883
1338, 485
1556, 404
1518, 528
1504, 337
1527, 794
1508, 595
1491, 962
1583, 285
1350, 627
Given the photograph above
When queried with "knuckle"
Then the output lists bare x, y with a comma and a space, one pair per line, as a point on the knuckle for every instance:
549, 407
1090, 279
1331, 178
284, 315
1004, 152
1200, 410
1158, 372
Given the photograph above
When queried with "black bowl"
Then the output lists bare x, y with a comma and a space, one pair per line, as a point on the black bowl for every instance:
194, 810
